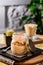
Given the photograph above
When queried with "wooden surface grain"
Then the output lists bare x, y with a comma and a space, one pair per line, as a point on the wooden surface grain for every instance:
1, 63
32, 61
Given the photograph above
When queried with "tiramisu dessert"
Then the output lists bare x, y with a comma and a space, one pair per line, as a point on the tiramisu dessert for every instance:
30, 29
18, 44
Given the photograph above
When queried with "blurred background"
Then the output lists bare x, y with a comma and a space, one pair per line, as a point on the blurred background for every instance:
14, 14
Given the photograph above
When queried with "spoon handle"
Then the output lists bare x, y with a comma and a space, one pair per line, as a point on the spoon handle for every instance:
4, 50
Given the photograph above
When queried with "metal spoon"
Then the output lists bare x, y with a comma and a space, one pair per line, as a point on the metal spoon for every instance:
5, 50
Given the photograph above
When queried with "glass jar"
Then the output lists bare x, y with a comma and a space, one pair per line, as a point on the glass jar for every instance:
30, 29
19, 44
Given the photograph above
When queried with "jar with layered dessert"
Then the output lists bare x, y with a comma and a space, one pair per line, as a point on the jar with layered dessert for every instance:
19, 44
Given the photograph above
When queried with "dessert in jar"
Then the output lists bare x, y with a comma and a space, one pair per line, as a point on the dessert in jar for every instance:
19, 44
30, 29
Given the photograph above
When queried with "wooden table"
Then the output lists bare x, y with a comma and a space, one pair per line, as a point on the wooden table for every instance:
32, 61
2, 63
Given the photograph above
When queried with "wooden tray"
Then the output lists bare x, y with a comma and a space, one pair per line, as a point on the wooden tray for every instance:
28, 55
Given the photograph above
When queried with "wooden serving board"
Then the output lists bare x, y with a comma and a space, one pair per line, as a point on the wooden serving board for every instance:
19, 58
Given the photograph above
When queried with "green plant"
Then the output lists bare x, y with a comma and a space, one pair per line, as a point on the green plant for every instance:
36, 8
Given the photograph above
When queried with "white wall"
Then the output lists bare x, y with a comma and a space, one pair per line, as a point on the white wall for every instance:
2, 10
14, 2
2, 19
